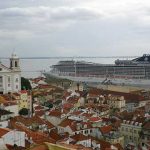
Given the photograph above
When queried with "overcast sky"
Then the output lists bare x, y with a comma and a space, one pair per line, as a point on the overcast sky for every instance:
74, 27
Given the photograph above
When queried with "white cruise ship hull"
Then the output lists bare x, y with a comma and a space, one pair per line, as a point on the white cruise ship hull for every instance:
104, 80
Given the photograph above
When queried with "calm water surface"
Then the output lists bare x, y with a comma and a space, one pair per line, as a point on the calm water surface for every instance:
33, 67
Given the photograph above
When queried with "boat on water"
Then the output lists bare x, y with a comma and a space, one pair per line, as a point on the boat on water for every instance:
134, 72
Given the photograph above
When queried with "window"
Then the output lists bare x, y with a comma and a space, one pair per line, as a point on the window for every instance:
1, 78
130, 130
134, 131
8, 79
16, 79
11, 64
16, 64
135, 138
16, 86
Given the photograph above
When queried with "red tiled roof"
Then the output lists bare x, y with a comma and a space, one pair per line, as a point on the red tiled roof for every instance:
16, 94
104, 145
38, 107
54, 135
66, 122
4, 131
55, 113
147, 126
106, 129
39, 113
42, 86
95, 119
67, 106
89, 125
37, 136
128, 96
66, 94
106, 119
23, 91
77, 113
49, 124
12, 147
118, 146
79, 137
73, 99
87, 115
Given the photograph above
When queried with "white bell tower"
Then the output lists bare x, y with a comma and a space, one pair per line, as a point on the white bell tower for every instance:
15, 73
14, 62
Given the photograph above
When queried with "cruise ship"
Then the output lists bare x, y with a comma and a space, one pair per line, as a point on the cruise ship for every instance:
134, 72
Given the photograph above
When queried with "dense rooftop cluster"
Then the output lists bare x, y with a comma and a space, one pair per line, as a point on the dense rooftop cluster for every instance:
87, 119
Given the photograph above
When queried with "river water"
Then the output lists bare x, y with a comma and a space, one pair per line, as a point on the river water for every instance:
33, 67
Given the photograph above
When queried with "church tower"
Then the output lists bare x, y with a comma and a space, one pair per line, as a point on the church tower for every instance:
14, 63
15, 73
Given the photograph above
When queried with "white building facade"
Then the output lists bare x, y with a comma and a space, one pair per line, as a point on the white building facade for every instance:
10, 77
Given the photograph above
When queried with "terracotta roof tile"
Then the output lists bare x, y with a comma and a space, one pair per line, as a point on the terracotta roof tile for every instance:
38, 107
79, 137
147, 125
55, 113
37, 136
4, 112
66, 122
77, 113
104, 145
87, 115
39, 113
4, 131
12, 147
23, 91
106, 129
67, 106
95, 119
54, 135
49, 125
118, 146
129, 97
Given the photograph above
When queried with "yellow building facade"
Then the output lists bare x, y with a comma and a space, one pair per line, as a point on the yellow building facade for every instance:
25, 100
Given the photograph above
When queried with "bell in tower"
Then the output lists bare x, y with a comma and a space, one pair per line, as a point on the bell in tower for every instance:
14, 62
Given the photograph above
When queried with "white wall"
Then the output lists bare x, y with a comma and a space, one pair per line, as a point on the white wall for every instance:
12, 108
54, 120
2, 144
4, 124
14, 137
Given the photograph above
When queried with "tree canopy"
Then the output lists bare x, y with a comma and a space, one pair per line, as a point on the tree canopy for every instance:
25, 84
23, 111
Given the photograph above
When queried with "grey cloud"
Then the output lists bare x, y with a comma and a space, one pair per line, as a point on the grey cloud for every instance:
48, 12
43, 19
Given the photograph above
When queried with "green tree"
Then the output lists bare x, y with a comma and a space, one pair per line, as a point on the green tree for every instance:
49, 105
23, 111
25, 84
